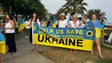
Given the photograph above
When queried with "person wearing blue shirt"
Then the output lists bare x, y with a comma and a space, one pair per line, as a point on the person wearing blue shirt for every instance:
102, 23
95, 24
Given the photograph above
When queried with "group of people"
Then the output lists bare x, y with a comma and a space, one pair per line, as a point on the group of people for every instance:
75, 22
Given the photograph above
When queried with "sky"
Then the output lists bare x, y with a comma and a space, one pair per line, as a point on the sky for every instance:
105, 5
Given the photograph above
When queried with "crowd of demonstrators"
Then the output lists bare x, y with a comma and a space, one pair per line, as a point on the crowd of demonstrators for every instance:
82, 22
75, 22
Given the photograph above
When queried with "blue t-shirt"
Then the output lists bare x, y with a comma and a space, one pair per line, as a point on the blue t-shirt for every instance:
102, 25
96, 24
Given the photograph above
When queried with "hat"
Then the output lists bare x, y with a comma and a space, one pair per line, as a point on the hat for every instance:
74, 16
62, 14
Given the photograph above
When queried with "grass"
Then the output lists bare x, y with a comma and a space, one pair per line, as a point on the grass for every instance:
60, 55
104, 61
109, 43
104, 47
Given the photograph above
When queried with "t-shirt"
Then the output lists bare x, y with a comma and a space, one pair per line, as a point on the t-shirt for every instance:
62, 23
74, 25
96, 24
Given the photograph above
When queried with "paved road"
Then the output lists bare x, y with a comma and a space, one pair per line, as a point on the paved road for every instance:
25, 53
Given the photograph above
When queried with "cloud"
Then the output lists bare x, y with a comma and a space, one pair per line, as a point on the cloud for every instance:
105, 5
53, 5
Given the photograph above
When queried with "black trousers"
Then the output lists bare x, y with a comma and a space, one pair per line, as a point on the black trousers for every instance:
30, 39
10, 42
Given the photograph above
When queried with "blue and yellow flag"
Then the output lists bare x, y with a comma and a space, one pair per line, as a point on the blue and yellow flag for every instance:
2, 44
22, 27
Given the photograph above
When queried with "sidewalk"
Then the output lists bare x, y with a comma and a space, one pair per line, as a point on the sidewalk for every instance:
29, 58
24, 53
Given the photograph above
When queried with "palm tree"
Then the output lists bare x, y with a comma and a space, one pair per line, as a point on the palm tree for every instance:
61, 10
98, 12
75, 6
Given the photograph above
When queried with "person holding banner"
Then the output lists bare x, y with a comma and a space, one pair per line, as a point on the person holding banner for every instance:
95, 24
73, 24
33, 20
62, 22
10, 34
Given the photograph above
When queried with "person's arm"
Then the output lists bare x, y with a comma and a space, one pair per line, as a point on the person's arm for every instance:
89, 25
68, 26
30, 25
78, 24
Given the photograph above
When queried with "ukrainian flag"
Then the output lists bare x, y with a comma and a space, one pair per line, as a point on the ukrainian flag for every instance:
54, 22
22, 27
2, 44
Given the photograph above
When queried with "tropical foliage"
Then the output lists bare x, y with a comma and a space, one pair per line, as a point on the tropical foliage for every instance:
98, 12
23, 7
75, 6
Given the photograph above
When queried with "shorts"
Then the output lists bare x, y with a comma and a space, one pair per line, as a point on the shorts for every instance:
97, 33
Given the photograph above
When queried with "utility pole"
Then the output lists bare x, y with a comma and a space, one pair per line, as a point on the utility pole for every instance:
10, 10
